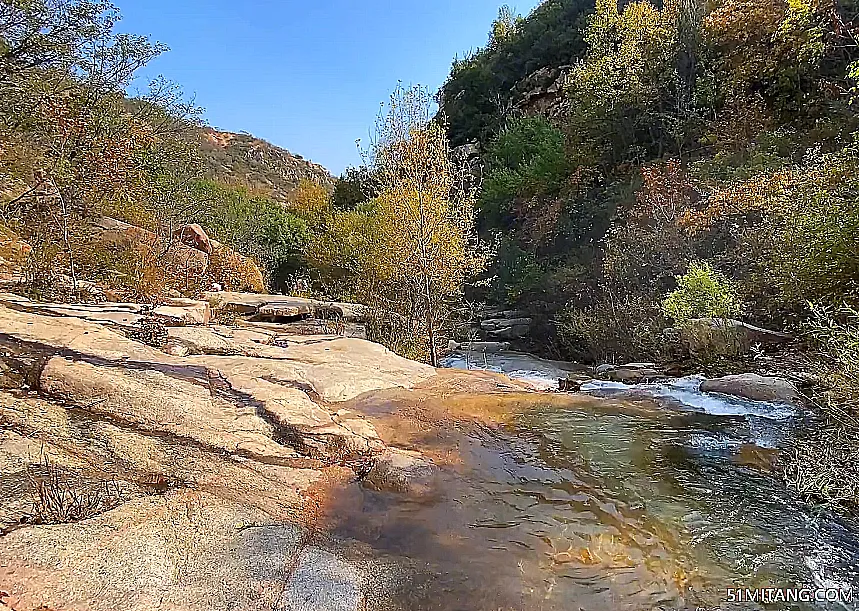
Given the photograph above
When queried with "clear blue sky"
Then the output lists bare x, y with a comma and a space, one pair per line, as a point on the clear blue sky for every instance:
307, 76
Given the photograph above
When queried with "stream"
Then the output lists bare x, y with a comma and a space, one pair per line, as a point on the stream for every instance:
648, 497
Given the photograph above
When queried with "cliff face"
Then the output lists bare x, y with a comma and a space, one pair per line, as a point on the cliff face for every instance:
241, 159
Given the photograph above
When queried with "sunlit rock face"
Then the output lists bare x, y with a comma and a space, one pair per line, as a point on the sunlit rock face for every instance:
171, 480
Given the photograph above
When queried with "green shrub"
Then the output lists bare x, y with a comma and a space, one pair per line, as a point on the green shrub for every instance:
340, 251
354, 187
701, 293
526, 159
517, 272
255, 226
613, 329
796, 230
482, 83
815, 256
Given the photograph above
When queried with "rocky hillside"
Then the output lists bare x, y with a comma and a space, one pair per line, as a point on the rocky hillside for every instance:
241, 159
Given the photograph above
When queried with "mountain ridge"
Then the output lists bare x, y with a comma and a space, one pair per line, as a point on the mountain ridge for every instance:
245, 160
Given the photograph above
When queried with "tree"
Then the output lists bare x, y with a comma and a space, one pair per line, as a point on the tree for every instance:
75, 145
424, 219
480, 88
310, 201
505, 26
354, 187
624, 97
273, 236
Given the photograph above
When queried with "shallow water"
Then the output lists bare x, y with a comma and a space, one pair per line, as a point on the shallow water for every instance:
643, 498
539, 373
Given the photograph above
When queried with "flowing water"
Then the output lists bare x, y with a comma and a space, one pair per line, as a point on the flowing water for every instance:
640, 498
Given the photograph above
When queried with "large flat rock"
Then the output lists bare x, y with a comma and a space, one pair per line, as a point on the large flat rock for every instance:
275, 406
334, 368
199, 474
186, 550
118, 314
124, 315
284, 306
97, 447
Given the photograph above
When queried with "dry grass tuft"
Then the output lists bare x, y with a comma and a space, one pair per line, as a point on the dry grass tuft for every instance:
59, 497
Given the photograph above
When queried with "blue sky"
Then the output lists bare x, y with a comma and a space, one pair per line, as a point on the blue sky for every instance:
307, 76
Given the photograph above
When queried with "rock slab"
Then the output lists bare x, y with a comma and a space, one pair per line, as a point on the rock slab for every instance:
215, 458
754, 387
724, 337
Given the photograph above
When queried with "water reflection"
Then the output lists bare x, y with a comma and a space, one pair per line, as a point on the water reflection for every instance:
590, 503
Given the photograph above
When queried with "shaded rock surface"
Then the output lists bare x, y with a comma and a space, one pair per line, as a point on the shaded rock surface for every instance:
499, 325
723, 337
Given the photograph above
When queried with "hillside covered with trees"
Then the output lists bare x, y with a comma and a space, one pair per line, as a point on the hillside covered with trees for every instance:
647, 164
667, 135
74, 148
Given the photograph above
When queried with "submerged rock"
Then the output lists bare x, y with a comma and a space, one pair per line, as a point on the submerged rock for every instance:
630, 373
754, 387
402, 472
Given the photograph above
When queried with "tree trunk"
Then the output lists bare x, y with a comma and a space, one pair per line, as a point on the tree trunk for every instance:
430, 321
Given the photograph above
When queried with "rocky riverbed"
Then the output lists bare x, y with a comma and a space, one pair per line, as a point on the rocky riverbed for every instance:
168, 460
137, 479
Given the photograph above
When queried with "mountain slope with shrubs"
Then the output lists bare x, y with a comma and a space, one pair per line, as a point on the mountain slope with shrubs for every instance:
74, 149
242, 160
674, 135
662, 162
